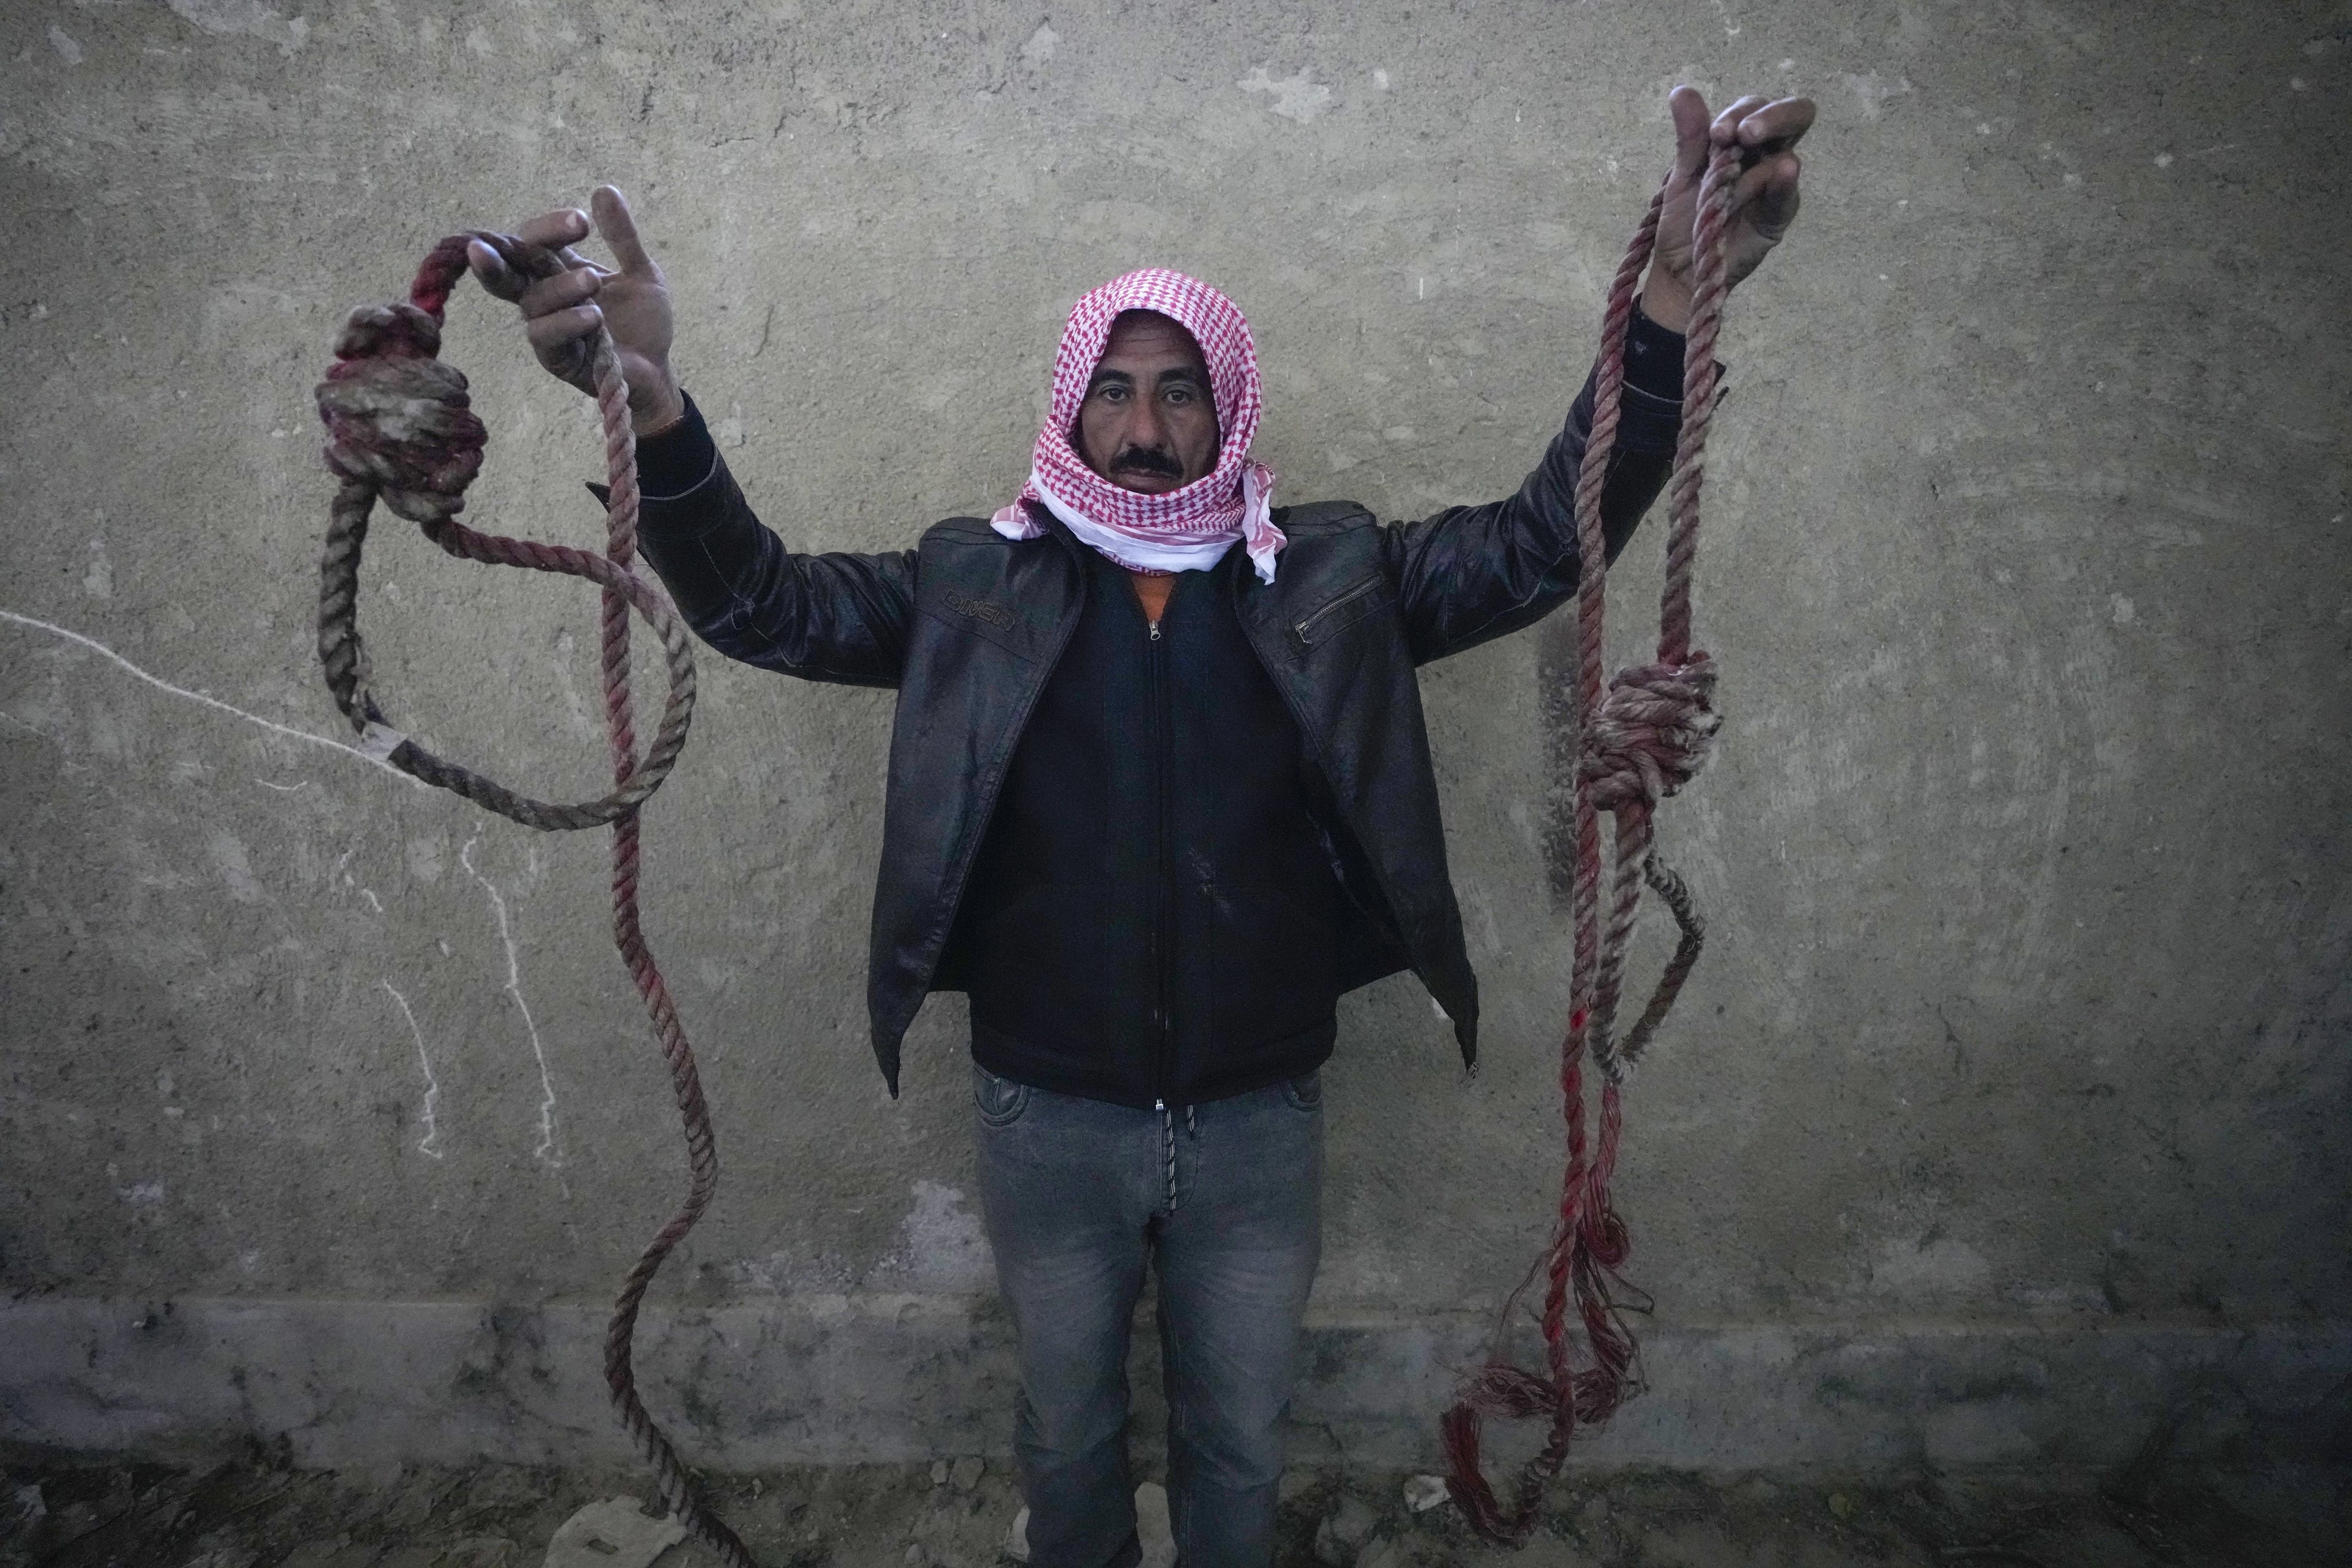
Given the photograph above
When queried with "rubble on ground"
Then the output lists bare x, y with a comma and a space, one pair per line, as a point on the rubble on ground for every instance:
254, 1511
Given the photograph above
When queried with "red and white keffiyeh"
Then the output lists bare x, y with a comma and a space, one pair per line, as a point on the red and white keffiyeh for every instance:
1187, 530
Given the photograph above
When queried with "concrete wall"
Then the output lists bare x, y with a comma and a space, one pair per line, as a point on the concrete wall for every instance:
2015, 1074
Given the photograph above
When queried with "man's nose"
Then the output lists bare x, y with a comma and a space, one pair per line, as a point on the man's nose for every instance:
1148, 426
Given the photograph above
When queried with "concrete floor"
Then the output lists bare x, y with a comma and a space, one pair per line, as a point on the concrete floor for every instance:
249, 1512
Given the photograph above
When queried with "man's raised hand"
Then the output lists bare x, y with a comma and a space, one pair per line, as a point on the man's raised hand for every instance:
1763, 197
561, 314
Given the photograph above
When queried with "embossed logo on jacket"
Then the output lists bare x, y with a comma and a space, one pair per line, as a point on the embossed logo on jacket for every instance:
995, 615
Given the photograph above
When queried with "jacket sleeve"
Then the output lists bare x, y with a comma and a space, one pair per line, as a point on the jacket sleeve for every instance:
837, 617
1472, 574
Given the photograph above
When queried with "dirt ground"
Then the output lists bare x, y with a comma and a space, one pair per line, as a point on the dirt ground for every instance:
249, 1512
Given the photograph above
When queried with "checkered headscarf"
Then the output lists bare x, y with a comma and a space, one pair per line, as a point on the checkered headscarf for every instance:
1187, 529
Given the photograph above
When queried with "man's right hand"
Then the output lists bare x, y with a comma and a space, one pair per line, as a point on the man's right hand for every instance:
561, 314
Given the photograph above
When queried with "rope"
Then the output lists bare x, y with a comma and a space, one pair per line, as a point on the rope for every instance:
399, 428
1638, 741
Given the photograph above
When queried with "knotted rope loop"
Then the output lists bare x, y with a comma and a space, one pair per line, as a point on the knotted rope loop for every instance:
399, 427
397, 418
1638, 741
1653, 732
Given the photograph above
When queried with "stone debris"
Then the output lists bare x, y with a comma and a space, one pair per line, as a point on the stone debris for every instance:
416, 1495
480, 1552
1704, 1544
1344, 1533
256, 1513
966, 1472
500, 1492
1423, 1493
613, 1533
938, 1472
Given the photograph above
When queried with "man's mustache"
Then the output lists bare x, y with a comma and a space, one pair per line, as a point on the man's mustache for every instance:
1148, 461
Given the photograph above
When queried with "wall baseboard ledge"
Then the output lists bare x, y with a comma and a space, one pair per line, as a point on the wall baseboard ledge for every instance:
840, 1379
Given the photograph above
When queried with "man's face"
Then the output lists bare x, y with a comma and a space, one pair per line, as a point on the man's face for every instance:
1149, 423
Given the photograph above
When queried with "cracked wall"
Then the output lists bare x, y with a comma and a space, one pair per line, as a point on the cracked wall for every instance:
2025, 1006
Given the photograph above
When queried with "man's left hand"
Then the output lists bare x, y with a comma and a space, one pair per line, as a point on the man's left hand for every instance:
1763, 197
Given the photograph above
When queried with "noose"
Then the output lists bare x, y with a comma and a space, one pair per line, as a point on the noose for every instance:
399, 427
1638, 741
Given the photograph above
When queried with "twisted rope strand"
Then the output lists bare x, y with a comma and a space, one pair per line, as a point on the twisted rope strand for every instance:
1639, 740
400, 430
1668, 885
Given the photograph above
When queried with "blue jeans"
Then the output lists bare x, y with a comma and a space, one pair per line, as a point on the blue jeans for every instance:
1075, 1194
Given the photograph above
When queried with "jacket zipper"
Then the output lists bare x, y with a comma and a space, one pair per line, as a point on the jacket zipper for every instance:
1168, 1144
1303, 629
1155, 658
1160, 906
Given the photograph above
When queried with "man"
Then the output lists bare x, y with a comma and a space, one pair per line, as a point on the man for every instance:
1155, 802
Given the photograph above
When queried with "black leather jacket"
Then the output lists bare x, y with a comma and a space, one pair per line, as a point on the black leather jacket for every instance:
967, 627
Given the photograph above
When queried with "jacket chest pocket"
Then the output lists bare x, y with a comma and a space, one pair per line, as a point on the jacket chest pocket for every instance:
1363, 597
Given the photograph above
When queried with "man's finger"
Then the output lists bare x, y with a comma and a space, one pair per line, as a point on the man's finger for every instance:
1773, 170
620, 231
558, 327
572, 259
551, 231
1778, 125
559, 292
499, 280
488, 268
1776, 203
556, 229
1726, 128
1689, 111
1765, 196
